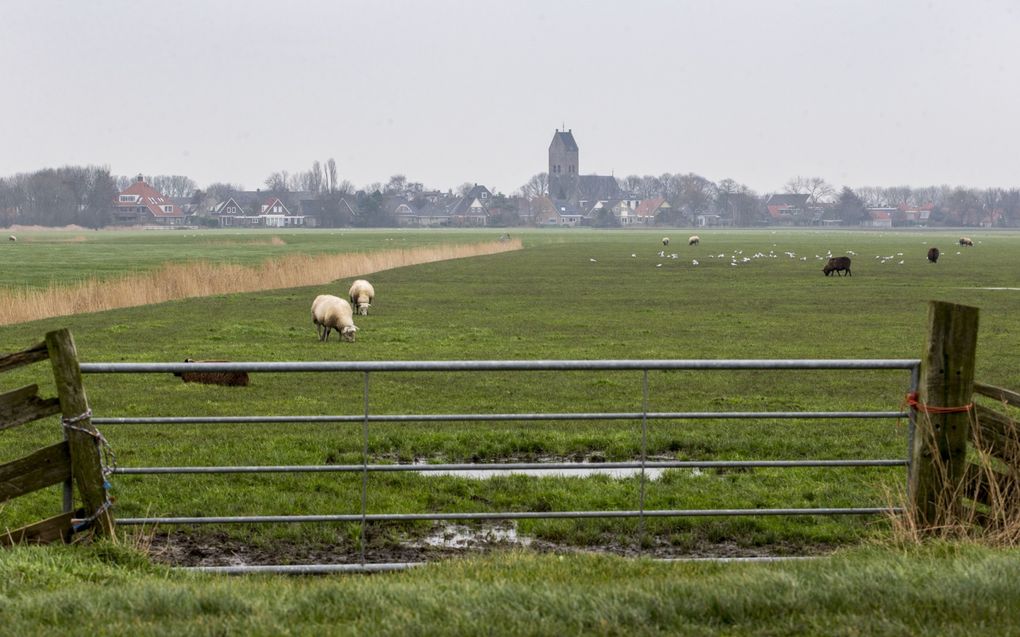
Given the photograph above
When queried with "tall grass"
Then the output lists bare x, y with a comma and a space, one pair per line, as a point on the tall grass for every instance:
983, 506
174, 281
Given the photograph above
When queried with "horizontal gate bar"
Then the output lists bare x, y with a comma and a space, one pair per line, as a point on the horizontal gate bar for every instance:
521, 515
637, 415
666, 464
522, 365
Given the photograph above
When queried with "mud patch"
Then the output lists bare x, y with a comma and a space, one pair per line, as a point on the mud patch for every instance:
182, 548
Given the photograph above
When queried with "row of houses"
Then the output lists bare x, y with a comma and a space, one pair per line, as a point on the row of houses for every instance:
141, 204
796, 209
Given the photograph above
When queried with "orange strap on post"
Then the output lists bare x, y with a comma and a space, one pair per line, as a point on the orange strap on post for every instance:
928, 409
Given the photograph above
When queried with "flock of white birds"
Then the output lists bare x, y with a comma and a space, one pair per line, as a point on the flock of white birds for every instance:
738, 258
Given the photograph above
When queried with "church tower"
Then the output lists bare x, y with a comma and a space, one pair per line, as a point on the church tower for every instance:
563, 165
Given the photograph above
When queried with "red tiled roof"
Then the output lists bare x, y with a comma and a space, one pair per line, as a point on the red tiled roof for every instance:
647, 207
150, 198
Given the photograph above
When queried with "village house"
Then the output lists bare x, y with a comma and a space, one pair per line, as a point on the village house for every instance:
786, 209
916, 215
436, 209
880, 217
258, 210
141, 204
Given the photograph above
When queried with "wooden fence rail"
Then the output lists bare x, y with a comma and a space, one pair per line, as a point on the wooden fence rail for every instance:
77, 460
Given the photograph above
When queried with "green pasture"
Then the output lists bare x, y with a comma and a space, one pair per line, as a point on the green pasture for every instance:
937, 590
45, 257
567, 295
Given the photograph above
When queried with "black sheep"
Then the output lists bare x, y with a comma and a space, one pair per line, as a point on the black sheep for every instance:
837, 265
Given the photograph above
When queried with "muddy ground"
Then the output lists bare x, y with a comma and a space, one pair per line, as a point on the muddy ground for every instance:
219, 549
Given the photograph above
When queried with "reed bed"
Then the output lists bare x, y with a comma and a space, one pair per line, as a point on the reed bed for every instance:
173, 281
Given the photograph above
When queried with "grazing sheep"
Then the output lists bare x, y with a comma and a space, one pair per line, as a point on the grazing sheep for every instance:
361, 294
933, 254
12, 238
694, 240
837, 265
227, 379
333, 313
966, 241
665, 241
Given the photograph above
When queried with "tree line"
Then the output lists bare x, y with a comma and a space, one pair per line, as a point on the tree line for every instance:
83, 195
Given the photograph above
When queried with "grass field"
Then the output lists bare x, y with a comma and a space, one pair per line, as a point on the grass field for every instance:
567, 295
937, 590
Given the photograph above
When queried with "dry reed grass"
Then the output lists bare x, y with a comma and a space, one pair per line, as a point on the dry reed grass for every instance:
985, 506
175, 281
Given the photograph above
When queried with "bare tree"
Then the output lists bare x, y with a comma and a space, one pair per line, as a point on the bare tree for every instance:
631, 183
311, 180
278, 182
537, 186
173, 185
395, 185
330, 174
817, 189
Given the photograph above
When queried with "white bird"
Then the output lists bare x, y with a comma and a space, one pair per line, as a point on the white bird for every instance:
659, 265
662, 253
633, 255
901, 261
593, 260
694, 262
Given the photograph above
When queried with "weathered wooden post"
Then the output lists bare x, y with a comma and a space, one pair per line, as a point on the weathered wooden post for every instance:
944, 411
82, 436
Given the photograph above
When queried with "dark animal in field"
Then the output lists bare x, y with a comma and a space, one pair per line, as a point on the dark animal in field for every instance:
228, 379
933, 255
966, 241
837, 265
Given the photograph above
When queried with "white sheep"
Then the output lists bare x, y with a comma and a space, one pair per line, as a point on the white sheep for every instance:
333, 313
12, 238
362, 294
665, 241
693, 240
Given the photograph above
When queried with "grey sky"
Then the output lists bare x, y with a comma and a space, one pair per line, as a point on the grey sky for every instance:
860, 93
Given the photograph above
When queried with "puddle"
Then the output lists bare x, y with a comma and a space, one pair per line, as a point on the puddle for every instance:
459, 536
1008, 288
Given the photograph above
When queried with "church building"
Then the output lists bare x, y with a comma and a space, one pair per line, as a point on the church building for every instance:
567, 185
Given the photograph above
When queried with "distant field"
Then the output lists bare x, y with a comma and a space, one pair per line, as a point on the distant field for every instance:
567, 295
43, 258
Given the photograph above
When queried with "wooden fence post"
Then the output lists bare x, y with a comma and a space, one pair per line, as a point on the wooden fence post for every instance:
938, 456
86, 457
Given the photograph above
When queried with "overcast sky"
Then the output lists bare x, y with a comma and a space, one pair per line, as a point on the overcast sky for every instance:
859, 92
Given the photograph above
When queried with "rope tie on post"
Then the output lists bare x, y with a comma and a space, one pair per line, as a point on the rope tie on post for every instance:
916, 405
107, 463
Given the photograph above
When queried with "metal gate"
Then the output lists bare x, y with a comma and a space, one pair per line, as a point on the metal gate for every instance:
368, 368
